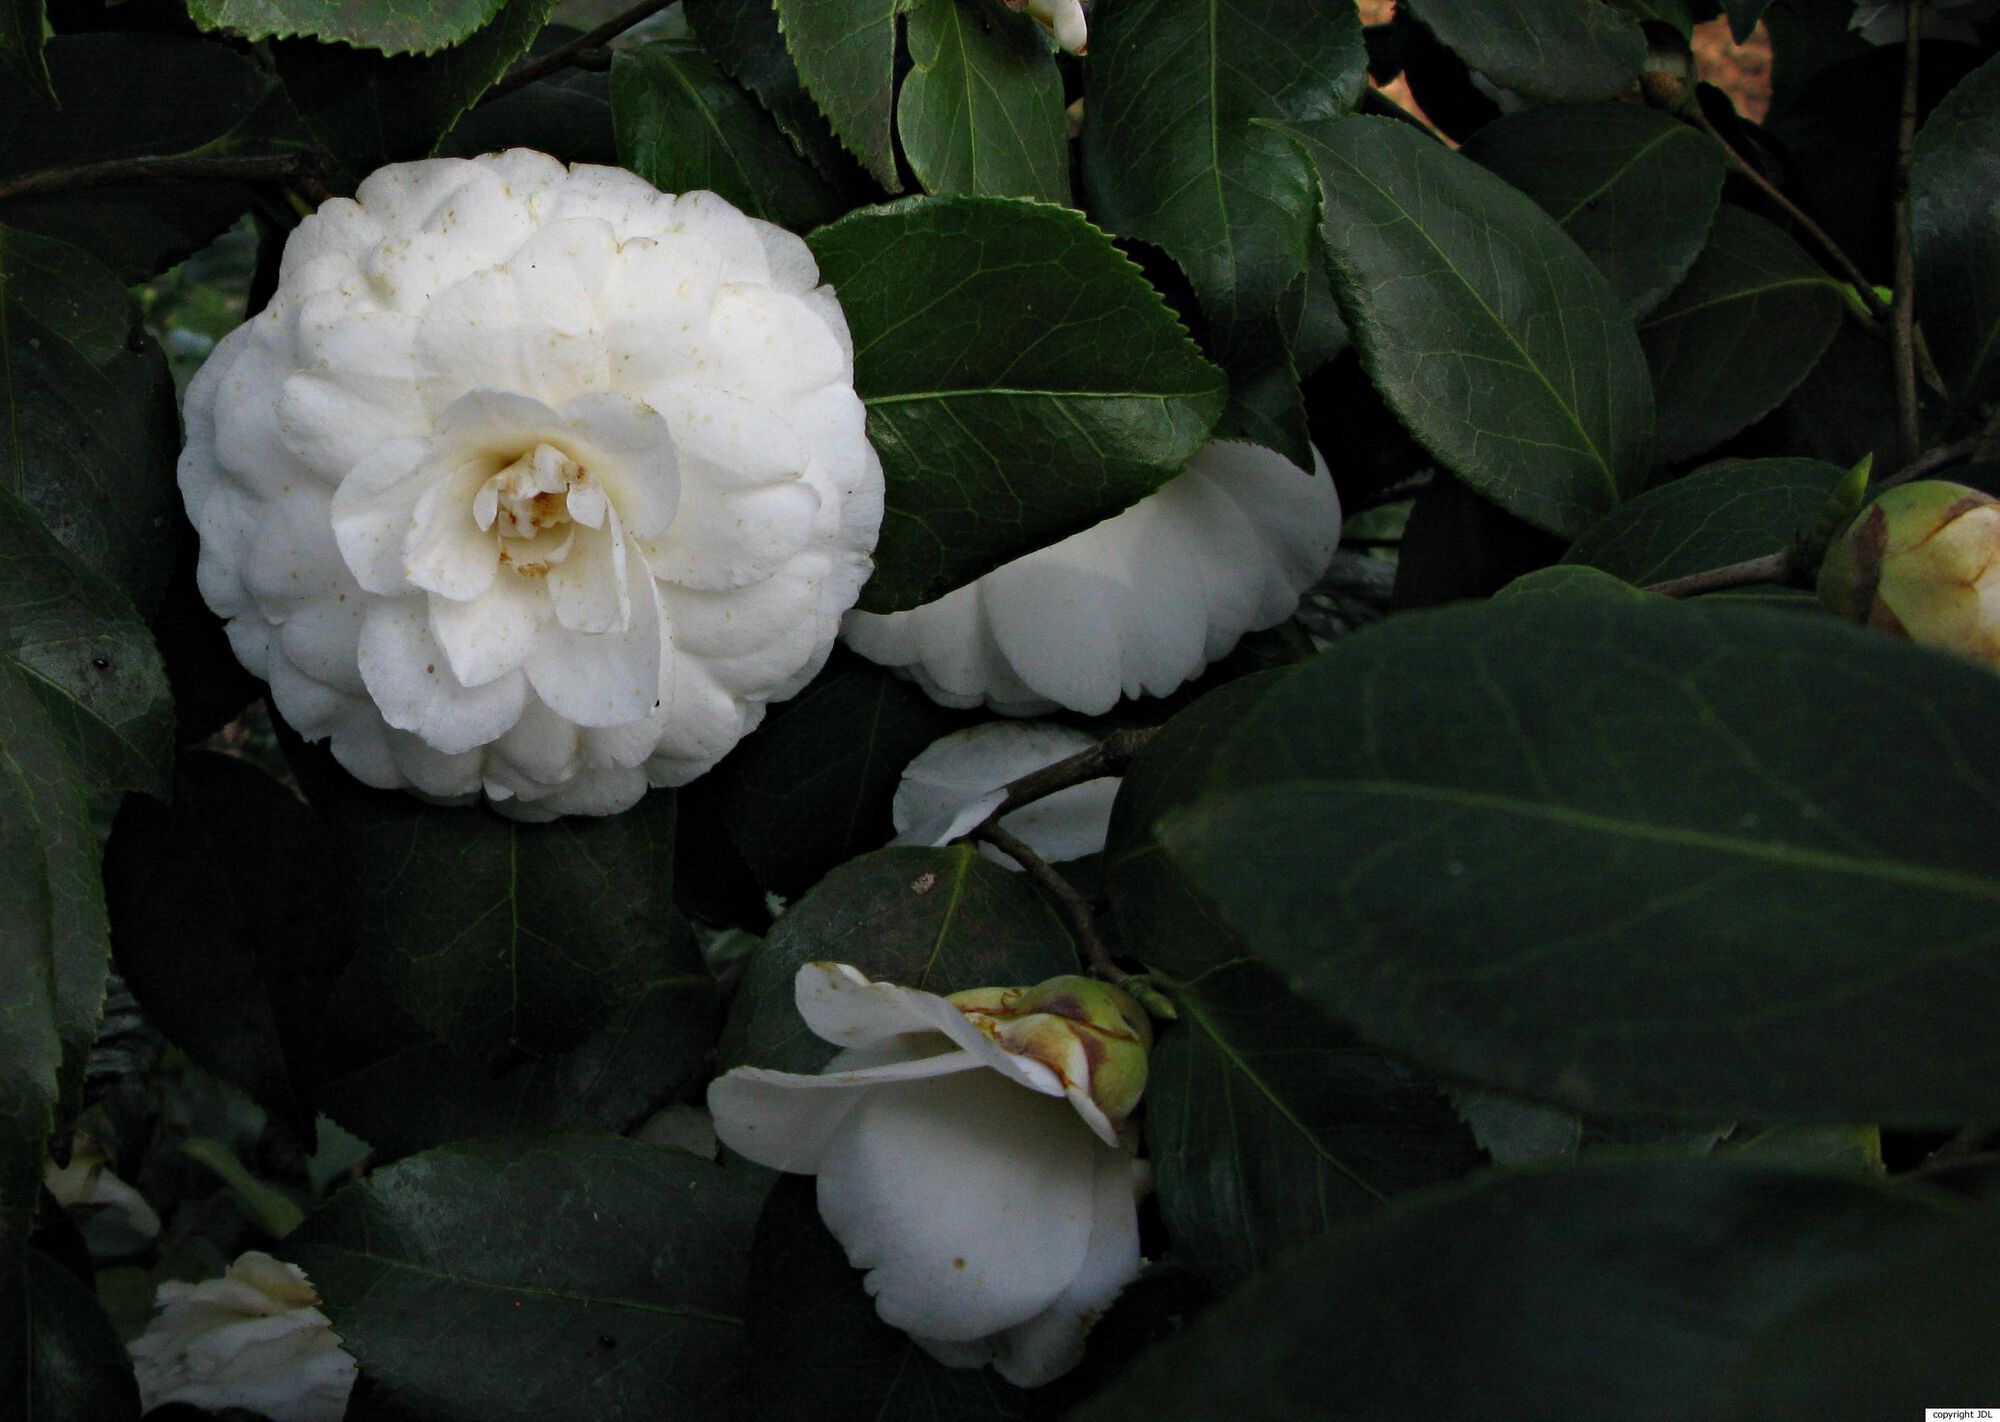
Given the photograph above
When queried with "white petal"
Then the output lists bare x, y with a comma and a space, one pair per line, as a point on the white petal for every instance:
629, 449
486, 637
445, 551
605, 678
784, 1120
1051, 1343
588, 589
411, 680
294, 559
968, 1200
956, 781
654, 310
517, 327
372, 510
730, 539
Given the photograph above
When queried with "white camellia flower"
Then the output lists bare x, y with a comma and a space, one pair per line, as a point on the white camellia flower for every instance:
253, 1339
1063, 19
969, 1155
960, 779
532, 481
1134, 606
88, 1185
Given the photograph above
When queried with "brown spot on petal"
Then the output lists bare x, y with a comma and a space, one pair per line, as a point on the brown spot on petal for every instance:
958, 1263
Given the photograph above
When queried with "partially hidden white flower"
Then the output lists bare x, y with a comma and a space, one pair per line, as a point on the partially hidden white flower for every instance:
1064, 19
958, 780
1883, 23
964, 1158
532, 481
1134, 606
88, 1184
253, 1339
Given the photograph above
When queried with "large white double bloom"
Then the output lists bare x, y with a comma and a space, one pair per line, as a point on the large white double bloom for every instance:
1133, 606
987, 1193
532, 481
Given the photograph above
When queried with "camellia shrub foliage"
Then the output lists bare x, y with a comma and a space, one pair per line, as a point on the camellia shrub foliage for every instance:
961, 709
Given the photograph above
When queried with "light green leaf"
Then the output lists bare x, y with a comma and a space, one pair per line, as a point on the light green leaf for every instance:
387, 26
1569, 50
1635, 857
1023, 382
1485, 328
845, 51
1955, 220
592, 1277
1173, 155
1737, 336
683, 125
1635, 188
982, 109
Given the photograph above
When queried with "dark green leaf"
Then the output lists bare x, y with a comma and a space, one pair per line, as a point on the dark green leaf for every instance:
1751, 320
940, 920
48, 880
1743, 17
684, 125
1568, 50
204, 895
1172, 154
822, 1353
1955, 218
1635, 188
1161, 919
1458, 545
591, 1277
91, 431
1267, 1125
811, 787
390, 26
566, 120
60, 1358
1514, 1130
845, 51
1906, 1333
129, 97
505, 938
1023, 382
1719, 515
1845, 408
1626, 1290
1488, 332
982, 110
372, 110
22, 23
402, 1090
743, 35
1636, 857
84, 653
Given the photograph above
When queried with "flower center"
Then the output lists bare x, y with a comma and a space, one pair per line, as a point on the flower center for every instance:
533, 506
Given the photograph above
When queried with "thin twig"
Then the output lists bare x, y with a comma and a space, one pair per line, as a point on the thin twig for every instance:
1771, 568
1863, 287
1076, 908
1110, 756
563, 55
172, 168
1902, 306
1986, 442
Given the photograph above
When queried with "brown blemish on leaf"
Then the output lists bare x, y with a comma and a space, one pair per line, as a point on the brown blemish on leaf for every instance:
924, 882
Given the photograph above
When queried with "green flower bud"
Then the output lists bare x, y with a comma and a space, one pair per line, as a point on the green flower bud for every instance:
1922, 562
1091, 1035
